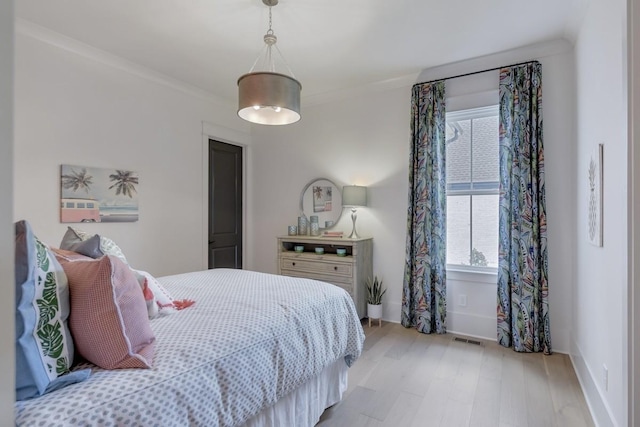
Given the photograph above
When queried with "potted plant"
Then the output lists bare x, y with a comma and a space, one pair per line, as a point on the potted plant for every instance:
375, 291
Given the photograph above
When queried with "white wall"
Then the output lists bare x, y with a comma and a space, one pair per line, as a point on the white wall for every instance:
600, 310
7, 352
633, 75
348, 144
364, 139
78, 106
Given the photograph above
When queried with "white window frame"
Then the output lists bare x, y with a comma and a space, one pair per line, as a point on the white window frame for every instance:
466, 114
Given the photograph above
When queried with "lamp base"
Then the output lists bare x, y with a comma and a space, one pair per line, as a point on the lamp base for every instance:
354, 234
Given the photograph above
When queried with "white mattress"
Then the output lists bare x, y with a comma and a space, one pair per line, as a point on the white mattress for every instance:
249, 340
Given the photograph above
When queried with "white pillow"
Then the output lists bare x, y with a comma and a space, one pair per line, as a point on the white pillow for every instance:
163, 299
149, 297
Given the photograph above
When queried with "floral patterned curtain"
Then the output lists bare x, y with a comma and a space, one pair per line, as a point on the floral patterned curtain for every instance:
523, 308
424, 289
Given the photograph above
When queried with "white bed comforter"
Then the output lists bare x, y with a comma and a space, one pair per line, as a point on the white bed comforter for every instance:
250, 339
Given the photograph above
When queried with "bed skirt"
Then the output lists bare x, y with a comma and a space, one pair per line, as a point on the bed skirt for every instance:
304, 406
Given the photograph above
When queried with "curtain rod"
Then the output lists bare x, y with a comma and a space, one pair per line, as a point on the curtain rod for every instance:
476, 72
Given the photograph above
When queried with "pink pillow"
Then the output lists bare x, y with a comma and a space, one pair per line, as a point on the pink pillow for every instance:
108, 320
64, 255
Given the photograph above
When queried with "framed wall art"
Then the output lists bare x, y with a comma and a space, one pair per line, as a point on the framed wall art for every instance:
594, 218
91, 194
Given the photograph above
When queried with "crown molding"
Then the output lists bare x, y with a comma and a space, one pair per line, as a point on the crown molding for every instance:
524, 53
380, 86
576, 18
498, 59
45, 35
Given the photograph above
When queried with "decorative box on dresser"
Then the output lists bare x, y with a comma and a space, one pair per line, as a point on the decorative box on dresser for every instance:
348, 272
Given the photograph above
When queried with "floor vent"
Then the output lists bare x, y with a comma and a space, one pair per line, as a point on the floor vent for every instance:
467, 341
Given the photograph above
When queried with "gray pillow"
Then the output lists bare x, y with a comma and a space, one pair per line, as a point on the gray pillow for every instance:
90, 247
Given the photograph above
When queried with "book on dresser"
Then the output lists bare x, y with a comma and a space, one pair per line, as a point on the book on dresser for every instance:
343, 262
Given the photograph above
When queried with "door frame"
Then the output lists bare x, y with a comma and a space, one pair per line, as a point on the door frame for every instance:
233, 137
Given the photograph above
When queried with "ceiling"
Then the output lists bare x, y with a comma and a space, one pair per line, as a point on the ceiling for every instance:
329, 45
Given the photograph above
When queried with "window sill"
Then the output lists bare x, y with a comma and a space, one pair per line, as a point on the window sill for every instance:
469, 275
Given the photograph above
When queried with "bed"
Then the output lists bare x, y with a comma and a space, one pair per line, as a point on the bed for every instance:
255, 349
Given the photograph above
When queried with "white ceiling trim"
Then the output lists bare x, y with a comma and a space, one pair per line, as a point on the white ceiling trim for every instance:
499, 59
69, 44
45, 35
381, 86
572, 28
525, 53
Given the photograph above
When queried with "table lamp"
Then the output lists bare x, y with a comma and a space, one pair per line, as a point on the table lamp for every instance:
354, 196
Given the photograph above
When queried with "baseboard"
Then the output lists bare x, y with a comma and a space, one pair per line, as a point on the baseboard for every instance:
597, 405
391, 312
471, 325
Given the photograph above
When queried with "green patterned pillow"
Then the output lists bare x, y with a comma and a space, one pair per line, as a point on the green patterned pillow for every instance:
44, 348
51, 298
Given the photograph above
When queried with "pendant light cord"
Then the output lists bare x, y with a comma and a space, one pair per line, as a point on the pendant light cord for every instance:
269, 62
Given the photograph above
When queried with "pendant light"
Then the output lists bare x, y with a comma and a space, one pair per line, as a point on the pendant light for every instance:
267, 97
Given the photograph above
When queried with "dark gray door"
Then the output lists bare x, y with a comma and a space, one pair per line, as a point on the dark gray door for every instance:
225, 205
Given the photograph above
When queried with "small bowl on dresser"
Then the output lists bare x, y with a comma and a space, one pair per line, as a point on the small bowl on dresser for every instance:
298, 248
319, 250
341, 252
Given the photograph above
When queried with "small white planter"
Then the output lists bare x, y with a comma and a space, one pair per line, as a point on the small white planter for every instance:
374, 312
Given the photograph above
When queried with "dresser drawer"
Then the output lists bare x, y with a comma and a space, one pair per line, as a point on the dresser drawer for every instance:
346, 286
347, 272
341, 282
318, 266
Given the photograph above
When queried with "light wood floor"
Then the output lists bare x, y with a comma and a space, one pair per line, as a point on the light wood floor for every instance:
405, 378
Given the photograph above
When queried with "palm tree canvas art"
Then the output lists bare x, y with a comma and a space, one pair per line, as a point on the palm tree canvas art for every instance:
91, 194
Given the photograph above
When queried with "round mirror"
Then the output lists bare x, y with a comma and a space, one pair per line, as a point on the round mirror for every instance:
321, 197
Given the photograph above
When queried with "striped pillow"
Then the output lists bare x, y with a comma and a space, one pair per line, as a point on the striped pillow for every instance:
108, 318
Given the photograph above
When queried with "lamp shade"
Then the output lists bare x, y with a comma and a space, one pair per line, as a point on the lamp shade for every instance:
269, 98
354, 195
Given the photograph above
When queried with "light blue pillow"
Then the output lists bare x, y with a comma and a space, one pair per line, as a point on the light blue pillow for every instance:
44, 348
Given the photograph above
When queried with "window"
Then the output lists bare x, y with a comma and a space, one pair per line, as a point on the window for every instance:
472, 188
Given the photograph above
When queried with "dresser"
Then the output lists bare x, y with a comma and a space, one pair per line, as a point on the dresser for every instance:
348, 272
